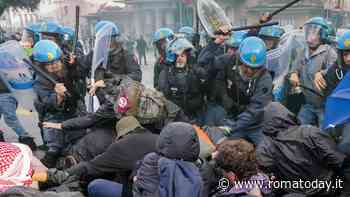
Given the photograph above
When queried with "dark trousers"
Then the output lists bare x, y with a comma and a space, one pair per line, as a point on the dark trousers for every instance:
104, 188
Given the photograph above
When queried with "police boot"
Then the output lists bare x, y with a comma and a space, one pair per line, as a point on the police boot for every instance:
50, 159
2, 139
29, 141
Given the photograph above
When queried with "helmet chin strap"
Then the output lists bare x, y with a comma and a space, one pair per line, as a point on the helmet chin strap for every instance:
178, 65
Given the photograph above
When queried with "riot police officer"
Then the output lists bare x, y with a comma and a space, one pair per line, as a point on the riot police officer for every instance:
161, 38
248, 86
182, 82
335, 74
120, 61
50, 31
319, 56
271, 36
187, 32
53, 103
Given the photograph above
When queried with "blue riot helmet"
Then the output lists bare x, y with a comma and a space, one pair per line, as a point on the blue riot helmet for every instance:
235, 39
161, 38
50, 31
316, 31
109, 29
27, 39
271, 35
115, 29
274, 31
177, 47
252, 52
163, 33
99, 25
67, 34
32, 32
343, 46
187, 32
343, 42
46, 52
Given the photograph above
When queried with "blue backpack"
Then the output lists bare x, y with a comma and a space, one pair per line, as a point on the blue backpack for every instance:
179, 178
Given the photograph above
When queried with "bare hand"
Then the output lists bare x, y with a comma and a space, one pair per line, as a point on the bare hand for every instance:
52, 125
225, 29
265, 18
94, 86
60, 89
40, 176
294, 80
71, 59
319, 81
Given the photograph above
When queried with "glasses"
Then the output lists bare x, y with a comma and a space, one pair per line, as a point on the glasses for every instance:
222, 33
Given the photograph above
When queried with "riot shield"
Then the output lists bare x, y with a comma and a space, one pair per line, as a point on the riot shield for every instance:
212, 16
15, 71
18, 76
100, 58
287, 55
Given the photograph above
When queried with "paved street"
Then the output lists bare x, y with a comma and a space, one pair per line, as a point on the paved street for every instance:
28, 115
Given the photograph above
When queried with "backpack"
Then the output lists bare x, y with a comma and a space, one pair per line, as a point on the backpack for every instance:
179, 178
145, 104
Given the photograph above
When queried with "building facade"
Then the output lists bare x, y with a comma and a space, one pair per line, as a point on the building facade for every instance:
138, 17
15, 20
145, 16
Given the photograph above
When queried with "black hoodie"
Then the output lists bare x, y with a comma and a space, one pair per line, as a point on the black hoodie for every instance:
293, 152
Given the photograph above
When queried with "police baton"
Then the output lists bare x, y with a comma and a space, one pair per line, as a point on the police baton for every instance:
44, 74
254, 26
77, 16
282, 8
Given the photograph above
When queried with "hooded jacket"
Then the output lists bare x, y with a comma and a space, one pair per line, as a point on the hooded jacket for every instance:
170, 171
293, 152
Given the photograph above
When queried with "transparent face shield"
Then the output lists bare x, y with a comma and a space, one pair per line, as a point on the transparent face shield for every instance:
50, 36
161, 46
102, 46
312, 35
27, 40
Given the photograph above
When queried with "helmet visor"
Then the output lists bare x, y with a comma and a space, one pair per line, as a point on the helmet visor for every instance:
27, 40
312, 34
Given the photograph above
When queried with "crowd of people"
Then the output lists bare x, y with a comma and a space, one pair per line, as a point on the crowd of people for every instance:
212, 116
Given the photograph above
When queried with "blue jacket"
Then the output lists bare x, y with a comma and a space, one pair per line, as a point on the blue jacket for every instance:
253, 96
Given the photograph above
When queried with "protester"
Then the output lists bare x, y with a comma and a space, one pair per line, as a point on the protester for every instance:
170, 169
118, 161
120, 61
271, 36
297, 152
234, 161
17, 165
